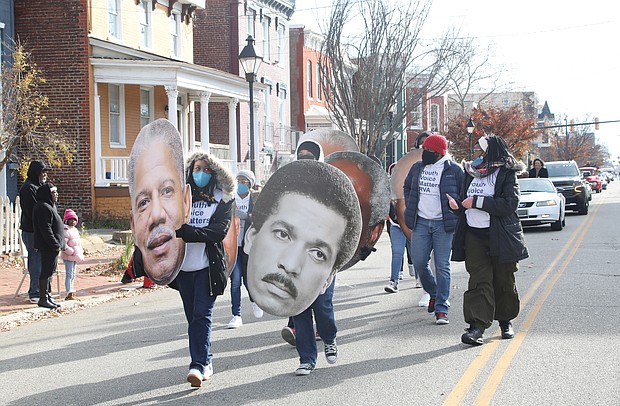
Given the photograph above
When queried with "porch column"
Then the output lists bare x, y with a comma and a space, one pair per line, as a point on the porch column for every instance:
99, 170
204, 120
173, 94
232, 130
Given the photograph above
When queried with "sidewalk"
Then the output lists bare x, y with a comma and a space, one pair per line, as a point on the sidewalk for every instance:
91, 289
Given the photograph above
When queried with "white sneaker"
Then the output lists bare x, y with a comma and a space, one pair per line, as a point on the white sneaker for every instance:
208, 372
424, 300
34, 300
411, 270
235, 322
417, 283
258, 312
194, 377
401, 276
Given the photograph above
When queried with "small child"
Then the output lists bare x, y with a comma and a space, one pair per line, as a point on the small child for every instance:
73, 251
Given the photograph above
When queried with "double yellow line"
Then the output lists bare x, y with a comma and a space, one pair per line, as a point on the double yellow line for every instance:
463, 386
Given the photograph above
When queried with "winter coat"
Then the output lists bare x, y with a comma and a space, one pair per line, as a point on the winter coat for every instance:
28, 195
48, 228
542, 173
450, 183
213, 234
506, 240
73, 246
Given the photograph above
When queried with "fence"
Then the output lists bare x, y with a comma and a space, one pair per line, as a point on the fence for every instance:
9, 227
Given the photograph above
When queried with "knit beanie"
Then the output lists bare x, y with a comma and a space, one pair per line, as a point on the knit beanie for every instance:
69, 214
437, 143
249, 175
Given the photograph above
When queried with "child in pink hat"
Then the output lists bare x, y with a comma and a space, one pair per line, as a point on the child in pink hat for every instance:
73, 251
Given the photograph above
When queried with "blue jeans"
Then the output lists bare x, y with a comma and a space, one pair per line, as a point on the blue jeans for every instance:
398, 241
235, 287
430, 235
69, 275
323, 308
198, 306
34, 264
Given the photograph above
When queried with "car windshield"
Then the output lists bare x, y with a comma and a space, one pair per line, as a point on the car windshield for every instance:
558, 170
536, 185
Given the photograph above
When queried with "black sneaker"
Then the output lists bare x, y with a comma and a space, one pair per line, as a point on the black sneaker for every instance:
392, 287
472, 336
507, 331
331, 353
304, 369
431, 305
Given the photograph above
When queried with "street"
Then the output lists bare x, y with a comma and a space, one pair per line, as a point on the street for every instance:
566, 350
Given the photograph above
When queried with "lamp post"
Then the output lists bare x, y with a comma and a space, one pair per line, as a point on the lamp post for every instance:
250, 62
470, 131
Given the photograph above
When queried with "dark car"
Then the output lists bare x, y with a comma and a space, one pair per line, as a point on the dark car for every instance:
568, 180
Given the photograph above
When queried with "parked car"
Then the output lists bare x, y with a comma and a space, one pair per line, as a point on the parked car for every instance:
604, 179
611, 174
541, 203
567, 179
590, 173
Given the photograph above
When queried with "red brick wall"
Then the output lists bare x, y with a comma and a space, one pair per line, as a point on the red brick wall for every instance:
55, 32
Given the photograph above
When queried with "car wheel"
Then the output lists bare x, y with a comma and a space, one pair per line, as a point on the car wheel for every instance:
598, 190
557, 225
584, 208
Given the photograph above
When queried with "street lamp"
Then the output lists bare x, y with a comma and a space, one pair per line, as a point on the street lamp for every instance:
470, 131
250, 62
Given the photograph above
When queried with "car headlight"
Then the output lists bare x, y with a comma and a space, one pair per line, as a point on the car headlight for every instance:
546, 203
578, 188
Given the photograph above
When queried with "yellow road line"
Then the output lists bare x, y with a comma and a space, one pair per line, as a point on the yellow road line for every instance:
463, 386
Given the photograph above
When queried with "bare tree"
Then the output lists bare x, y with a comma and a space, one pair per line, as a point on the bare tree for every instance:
372, 79
578, 143
25, 129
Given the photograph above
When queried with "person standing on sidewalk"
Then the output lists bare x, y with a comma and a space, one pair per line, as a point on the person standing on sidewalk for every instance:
37, 175
49, 240
432, 223
244, 199
489, 238
73, 251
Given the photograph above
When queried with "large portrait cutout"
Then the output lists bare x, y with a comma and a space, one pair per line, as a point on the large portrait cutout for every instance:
306, 226
160, 199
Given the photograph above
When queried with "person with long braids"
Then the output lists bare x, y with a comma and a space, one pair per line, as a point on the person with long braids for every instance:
489, 238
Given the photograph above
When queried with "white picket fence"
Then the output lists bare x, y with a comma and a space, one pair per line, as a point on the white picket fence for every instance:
9, 229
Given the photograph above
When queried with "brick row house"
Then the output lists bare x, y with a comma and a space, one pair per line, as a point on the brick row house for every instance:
8, 186
112, 66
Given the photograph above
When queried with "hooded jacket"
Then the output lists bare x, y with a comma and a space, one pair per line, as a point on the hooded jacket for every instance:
28, 194
311, 146
48, 227
214, 233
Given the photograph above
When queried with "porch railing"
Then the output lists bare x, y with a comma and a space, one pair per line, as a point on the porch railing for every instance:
112, 169
10, 214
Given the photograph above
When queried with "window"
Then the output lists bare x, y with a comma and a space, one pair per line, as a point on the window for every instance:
318, 81
175, 34
116, 107
251, 21
114, 18
266, 38
267, 116
281, 40
146, 106
145, 23
434, 117
416, 117
309, 78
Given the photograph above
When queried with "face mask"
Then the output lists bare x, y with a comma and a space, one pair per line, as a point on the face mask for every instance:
429, 157
201, 179
242, 189
477, 162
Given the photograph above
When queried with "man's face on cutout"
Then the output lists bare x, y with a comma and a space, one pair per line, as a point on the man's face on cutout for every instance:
292, 256
160, 205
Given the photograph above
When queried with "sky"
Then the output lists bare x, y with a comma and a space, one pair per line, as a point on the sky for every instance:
564, 51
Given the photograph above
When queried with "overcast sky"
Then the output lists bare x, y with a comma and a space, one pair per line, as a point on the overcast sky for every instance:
565, 51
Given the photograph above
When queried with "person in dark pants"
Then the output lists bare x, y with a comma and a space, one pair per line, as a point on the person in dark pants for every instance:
489, 238
49, 240
37, 175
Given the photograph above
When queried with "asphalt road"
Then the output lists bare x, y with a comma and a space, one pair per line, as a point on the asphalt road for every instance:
567, 349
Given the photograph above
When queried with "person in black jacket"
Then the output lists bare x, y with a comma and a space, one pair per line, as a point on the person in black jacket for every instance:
37, 175
49, 239
204, 272
489, 238
538, 170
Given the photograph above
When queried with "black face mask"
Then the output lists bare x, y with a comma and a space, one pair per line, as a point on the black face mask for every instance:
429, 157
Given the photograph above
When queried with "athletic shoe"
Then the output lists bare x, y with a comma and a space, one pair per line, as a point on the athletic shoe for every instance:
331, 353
194, 377
442, 318
411, 270
235, 322
304, 369
258, 312
431, 305
417, 283
401, 276
424, 300
472, 336
392, 287
288, 334
34, 300
507, 331
208, 372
